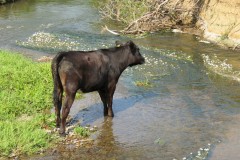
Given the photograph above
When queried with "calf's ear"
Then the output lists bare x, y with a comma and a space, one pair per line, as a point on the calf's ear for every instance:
132, 46
118, 44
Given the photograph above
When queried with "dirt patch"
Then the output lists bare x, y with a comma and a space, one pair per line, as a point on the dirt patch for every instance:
220, 22
45, 59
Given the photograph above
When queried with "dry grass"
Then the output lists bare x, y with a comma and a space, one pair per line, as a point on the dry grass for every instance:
153, 15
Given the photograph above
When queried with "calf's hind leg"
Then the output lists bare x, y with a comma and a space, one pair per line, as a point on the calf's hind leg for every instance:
58, 105
70, 96
69, 80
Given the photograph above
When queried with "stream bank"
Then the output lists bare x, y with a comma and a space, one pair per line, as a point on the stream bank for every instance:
214, 20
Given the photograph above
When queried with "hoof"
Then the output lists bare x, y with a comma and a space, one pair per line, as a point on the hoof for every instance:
62, 131
58, 123
62, 134
111, 115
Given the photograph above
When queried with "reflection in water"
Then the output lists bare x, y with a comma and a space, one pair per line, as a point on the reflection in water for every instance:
106, 140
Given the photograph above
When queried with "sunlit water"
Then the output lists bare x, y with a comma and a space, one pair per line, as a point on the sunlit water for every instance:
191, 102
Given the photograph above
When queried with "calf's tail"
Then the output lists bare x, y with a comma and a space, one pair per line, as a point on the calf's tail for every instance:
57, 88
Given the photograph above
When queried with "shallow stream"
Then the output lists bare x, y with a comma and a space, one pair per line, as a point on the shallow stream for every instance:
187, 110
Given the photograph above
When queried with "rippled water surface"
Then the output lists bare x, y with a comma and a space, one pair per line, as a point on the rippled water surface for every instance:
192, 100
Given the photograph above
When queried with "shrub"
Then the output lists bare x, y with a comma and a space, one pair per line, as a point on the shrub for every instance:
124, 10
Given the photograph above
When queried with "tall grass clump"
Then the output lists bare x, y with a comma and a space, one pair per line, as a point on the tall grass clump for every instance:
25, 99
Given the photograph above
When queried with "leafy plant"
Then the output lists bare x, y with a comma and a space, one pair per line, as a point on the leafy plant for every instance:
83, 132
144, 83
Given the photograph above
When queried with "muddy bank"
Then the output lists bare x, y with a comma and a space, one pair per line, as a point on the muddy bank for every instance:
217, 21
220, 22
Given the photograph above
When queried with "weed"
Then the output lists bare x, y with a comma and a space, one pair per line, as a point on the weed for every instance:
144, 83
83, 132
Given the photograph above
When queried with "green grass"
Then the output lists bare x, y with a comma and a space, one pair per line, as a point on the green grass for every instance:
22, 137
83, 132
26, 86
25, 101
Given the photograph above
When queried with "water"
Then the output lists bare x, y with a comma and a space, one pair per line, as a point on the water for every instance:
192, 100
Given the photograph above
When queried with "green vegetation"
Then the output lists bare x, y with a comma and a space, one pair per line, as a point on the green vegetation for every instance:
83, 132
145, 83
24, 136
26, 88
25, 103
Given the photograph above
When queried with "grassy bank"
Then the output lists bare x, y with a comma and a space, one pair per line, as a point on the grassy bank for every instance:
25, 99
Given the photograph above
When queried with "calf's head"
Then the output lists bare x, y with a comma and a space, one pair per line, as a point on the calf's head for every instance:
135, 56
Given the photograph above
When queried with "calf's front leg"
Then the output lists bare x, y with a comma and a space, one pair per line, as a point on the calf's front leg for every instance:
110, 92
103, 96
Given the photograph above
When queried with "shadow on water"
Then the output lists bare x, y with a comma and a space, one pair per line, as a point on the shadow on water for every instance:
94, 112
